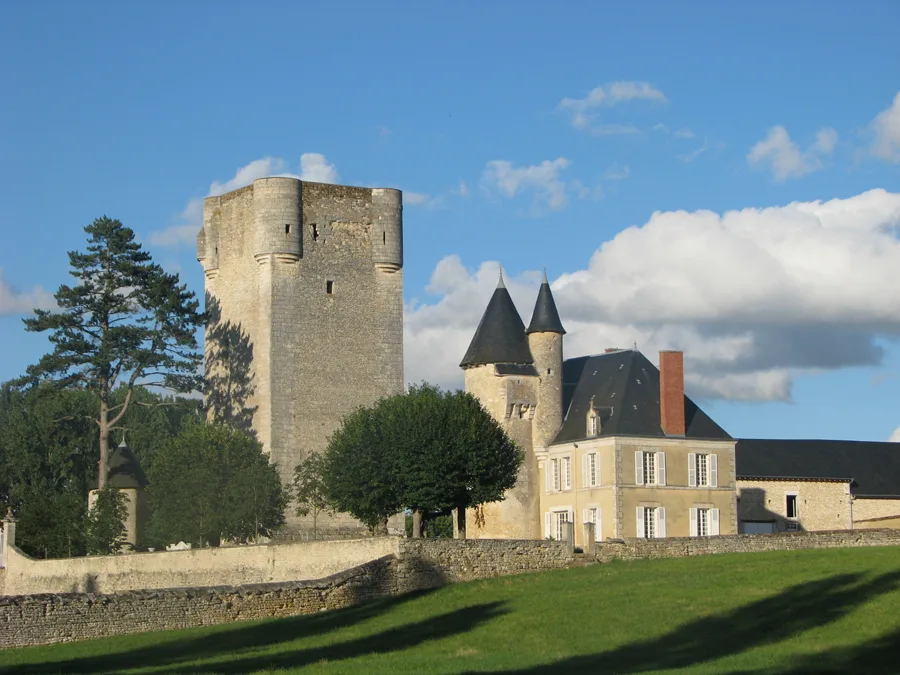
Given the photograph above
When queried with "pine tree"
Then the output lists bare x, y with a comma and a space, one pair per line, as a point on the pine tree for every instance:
125, 322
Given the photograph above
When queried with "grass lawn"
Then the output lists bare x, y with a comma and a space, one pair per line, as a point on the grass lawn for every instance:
820, 611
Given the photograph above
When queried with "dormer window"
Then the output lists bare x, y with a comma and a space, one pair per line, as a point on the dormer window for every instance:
593, 421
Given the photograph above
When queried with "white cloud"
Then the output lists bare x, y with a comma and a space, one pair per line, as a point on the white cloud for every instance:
313, 167
754, 297
415, 198
886, 127
895, 437
707, 145
785, 158
616, 172
583, 111
683, 133
543, 179
14, 301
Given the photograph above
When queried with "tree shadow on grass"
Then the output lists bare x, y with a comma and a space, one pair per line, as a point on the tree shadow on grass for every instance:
765, 622
235, 638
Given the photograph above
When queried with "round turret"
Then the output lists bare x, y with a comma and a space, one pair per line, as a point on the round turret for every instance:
387, 229
276, 219
208, 239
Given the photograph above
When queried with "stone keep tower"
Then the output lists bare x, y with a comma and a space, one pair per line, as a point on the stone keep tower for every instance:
517, 376
304, 287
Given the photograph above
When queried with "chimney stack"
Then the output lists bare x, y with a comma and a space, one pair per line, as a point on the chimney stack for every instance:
671, 393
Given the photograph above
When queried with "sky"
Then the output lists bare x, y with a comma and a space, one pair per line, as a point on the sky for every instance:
719, 178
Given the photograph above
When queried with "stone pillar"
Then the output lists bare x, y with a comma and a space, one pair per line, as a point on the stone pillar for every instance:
570, 537
590, 543
9, 530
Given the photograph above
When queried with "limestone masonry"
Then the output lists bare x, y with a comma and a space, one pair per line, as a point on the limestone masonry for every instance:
304, 286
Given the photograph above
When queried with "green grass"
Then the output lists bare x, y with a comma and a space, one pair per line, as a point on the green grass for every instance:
826, 611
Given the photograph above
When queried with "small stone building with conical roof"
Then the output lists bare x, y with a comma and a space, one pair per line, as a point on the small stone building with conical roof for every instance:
126, 475
609, 439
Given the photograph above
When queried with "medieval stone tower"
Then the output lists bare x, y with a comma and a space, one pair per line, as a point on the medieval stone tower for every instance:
304, 287
517, 376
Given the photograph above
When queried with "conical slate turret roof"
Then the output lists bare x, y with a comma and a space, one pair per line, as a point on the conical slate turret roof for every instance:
500, 337
124, 469
545, 318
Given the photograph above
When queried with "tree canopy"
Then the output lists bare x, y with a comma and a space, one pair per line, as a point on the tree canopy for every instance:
214, 482
427, 450
125, 322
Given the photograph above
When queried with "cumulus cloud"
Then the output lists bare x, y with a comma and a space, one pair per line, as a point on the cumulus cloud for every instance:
15, 301
313, 167
886, 129
543, 179
754, 297
583, 112
895, 437
785, 159
683, 133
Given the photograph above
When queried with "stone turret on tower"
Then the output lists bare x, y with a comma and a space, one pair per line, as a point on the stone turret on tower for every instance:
500, 372
545, 339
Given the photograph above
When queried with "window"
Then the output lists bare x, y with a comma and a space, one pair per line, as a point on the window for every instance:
383, 237
590, 470
592, 515
649, 468
704, 522
523, 410
287, 228
703, 470
651, 522
559, 474
593, 424
315, 232
791, 506
329, 287
560, 519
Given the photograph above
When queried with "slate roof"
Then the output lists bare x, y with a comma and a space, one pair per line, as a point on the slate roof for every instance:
545, 318
624, 387
500, 336
873, 467
124, 469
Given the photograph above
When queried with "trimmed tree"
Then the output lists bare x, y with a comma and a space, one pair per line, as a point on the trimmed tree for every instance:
309, 489
214, 482
126, 321
358, 470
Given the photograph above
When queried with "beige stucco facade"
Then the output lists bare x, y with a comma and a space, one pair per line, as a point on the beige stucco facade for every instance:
820, 504
618, 496
876, 513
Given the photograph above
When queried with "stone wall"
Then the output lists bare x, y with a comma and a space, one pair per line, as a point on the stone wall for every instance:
418, 565
822, 505
201, 567
876, 513
679, 547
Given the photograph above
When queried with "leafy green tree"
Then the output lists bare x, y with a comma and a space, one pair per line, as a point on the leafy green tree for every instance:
358, 472
125, 322
105, 522
213, 481
309, 489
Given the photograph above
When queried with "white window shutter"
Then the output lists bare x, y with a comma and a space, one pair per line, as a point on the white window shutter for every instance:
660, 468
661, 526
571, 516
586, 515
713, 471
692, 469
597, 480
585, 470
694, 531
567, 473
638, 468
598, 524
714, 521
548, 474
640, 522
548, 525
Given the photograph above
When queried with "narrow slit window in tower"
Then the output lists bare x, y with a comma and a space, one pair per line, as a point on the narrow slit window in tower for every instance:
287, 228
329, 287
315, 232
383, 237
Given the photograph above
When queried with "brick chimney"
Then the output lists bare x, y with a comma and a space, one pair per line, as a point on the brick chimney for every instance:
671, 393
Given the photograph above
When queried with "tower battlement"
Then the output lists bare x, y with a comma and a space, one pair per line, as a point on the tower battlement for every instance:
308, 279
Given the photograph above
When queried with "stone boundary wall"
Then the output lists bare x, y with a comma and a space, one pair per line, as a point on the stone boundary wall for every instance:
233, 565
419, 564
680, 547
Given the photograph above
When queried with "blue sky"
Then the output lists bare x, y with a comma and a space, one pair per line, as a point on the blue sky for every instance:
722, 178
